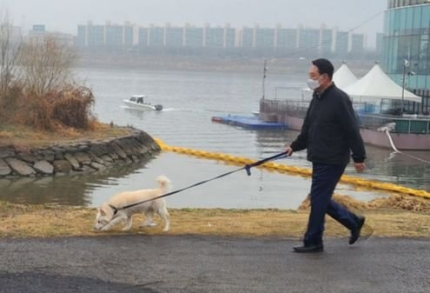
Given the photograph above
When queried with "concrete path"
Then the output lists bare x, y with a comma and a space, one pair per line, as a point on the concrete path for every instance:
138, 263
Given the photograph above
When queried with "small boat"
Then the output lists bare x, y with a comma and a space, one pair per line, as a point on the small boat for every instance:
256, 113
140, 101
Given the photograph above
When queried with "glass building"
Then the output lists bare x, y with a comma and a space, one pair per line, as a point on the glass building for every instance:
406, 54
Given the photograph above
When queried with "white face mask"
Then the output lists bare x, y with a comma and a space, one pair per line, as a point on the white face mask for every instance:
313, 84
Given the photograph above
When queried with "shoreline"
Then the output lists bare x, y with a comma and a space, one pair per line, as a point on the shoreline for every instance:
384, 218
215, 64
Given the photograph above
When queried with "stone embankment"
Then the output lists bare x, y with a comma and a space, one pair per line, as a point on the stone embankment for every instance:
79, 157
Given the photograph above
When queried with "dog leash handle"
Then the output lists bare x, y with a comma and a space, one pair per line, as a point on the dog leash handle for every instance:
258, 163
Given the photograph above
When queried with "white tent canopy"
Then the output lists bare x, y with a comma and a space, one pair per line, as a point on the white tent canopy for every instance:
344, 77
376, 85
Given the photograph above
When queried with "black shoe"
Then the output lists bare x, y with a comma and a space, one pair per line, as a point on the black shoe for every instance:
355, 234
309, 248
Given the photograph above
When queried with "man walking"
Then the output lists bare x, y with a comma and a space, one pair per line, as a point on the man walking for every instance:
330, 133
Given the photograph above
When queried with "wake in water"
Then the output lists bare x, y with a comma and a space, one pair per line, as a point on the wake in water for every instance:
189, 110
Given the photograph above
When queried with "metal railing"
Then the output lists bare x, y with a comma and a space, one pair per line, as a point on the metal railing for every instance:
365, 111
418, 125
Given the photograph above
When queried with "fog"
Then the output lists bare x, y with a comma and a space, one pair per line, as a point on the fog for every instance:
65, 15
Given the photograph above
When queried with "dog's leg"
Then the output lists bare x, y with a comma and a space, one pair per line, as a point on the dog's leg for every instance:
149, 219
128, 223
164, 214
112, 223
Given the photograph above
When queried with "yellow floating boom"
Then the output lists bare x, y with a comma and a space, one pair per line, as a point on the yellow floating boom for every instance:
281, 168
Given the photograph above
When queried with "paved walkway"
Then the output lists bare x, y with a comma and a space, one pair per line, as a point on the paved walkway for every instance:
138, 263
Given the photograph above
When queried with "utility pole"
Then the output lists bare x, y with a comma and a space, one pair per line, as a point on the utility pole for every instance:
264, 77
405, 65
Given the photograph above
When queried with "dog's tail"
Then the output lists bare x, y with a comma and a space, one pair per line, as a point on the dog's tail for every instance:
163, 182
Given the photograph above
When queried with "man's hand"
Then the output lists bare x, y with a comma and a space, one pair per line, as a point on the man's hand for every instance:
359, 167
289, 151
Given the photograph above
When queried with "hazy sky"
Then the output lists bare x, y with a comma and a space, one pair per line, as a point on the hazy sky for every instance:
65, 15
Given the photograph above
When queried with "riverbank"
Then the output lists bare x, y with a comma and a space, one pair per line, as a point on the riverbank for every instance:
25, 152
390, 217
214, 64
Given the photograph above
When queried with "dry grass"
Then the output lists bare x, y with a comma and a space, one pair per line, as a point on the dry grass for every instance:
20, 136
48, 221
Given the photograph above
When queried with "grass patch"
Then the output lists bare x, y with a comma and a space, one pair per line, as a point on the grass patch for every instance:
52, 221
25, 137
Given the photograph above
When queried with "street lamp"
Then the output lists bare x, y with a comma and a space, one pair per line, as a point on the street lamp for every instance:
405, 65
264, 77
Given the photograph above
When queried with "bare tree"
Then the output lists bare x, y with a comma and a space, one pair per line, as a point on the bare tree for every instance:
10, 45
46, 64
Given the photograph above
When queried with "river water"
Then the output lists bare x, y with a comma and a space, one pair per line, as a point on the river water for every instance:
190, 99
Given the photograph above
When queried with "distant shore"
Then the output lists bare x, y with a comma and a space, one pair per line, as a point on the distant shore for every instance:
216, 64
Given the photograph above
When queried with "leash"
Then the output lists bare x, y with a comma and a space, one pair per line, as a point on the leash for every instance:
247, 168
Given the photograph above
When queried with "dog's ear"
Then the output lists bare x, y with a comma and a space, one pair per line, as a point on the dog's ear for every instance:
102, 212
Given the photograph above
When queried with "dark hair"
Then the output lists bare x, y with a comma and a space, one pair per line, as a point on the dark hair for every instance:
324, 67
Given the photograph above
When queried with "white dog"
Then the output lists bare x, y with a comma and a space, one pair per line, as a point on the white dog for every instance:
107, 218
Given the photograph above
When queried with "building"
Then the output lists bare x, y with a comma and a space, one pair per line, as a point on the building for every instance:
406, 52
114, 36
247, 38
264, 38
156, 36
229, 37
129, 38
214, 37
286, 38
342, 44
193, 36
95, 36
143, 37
253, 41
38, 29
357, 43
309, 40
326, 43
174, 36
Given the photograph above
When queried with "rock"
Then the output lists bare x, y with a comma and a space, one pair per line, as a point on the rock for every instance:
155, 147
4, 168
69, 149
29, 158
144, 150
46, 155
62, 166
135, 147
134, 158
72, 160
99, 150
113, 155
125, 146
107, 159
97, 166
118, 150
7, 153
20, 167
44, 167
96, 159
83, 158
83, 147
58, 155
87, 169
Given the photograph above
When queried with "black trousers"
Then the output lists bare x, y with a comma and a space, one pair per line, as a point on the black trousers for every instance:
324, 181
